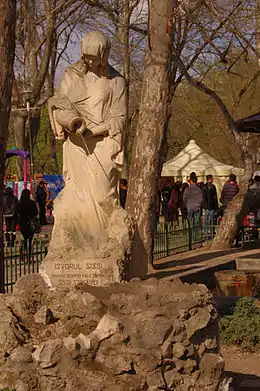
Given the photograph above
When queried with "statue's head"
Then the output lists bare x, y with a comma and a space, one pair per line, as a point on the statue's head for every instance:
95, 47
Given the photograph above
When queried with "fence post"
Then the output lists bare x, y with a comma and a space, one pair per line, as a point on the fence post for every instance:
190, 234
167, 241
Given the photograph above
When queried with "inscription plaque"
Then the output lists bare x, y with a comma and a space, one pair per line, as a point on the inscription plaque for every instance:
101, 272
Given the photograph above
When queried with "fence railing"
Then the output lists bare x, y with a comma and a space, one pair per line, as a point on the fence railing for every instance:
169, 241
18, 263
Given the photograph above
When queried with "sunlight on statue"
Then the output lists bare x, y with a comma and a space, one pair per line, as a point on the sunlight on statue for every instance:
88, 112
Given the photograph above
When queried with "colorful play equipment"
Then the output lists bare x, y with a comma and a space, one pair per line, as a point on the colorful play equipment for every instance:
19, 186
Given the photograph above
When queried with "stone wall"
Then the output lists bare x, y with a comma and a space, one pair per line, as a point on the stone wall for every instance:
134, 336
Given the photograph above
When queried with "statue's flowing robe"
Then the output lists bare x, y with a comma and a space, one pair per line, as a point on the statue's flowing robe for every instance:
90, 164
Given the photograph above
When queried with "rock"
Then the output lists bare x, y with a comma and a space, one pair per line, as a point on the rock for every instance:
178, 350
184, 315
211, 343
129, 337
107, 327
189, 351
201, 349
17, 306
155, 379
189, 366
178, 333
44, 316
166, 349
89, 380
172, 378
116, 359
211, 367
145, 360
21, 355
72, 346
8, 340
197, 322
48, 354
32, 289
88, 347
9, 381
79, 311
151, 334
133, 383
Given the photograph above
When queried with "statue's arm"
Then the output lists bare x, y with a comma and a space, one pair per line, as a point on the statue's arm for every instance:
61, 110
118, 110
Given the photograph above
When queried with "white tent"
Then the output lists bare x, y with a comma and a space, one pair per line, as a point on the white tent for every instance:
193, 158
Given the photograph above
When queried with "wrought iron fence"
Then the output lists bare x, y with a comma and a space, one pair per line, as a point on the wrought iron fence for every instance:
18, 263
169, 241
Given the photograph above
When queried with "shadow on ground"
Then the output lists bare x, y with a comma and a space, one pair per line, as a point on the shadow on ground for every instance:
244, 382
164, 273
190, 260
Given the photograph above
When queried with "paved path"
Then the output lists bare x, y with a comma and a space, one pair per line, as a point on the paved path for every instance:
184, 264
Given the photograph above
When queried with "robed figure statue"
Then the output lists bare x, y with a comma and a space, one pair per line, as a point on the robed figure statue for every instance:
88, 112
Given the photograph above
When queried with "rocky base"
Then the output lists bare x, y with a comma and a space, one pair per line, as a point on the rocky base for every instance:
134, 336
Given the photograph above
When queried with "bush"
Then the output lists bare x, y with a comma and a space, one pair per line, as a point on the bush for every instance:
242, 328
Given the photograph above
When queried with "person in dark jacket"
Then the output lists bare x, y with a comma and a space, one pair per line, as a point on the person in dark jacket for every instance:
10, 213
230, 189
27, 210
183, 207
173, 205
210, 203
165, 198
41, 195
122, 192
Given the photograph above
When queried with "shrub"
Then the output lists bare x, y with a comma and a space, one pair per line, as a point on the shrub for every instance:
242, 328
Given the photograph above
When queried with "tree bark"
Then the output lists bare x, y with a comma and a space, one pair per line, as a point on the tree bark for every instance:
236, 211
19, 122
155, 109
7, 47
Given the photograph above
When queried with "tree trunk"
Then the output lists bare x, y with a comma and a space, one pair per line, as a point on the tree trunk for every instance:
127, 65
152, 125
7, 47
236, 211
19, 122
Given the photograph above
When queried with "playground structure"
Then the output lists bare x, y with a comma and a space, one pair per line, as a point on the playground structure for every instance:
53, 183
18, 186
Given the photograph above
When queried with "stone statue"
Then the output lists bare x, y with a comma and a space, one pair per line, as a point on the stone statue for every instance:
88, 112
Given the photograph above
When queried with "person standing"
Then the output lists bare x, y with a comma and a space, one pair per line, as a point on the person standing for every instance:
10, 213
183, 207
165, 196
173, 207
41, 195
210, 203
27, 211
230, 189
192, 198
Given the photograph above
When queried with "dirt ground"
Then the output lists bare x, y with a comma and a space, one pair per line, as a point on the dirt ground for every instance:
243, 367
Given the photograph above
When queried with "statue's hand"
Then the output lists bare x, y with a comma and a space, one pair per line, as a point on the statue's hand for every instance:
62, 104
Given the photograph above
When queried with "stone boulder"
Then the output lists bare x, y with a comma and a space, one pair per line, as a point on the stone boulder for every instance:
143, 335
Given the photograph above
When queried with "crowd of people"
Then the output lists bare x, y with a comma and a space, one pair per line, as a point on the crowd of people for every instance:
190, 199
26, 213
